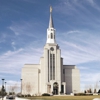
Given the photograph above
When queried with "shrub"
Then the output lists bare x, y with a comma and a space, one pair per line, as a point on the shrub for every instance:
89, 94
79, 94
45, 94
22, 95
28, 95
83, 94
19, 95
11, 93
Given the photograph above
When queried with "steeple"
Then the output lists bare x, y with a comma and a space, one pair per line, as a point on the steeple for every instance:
51, 19
51, 30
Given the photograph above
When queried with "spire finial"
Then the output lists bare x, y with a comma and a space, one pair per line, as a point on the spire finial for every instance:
50, 9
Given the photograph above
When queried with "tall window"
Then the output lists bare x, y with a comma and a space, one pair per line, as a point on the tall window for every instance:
50, 66
53, 66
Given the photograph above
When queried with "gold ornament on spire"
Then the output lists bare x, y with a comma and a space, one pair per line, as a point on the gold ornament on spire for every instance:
50, 9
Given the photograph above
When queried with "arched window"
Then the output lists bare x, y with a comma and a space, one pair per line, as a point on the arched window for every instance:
51, 36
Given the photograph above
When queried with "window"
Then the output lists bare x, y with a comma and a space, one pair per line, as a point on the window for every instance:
51, 36
63, 71
50, 66
53, 66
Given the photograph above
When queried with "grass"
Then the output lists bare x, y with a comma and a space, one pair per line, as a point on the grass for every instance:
64, 97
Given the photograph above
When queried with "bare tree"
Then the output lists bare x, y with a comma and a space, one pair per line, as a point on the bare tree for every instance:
13, 88
88, 88
23, 89
95, 91
96, 86
90, 91
28, 88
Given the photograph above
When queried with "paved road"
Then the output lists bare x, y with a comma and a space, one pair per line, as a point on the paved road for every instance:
12, 99
96, 99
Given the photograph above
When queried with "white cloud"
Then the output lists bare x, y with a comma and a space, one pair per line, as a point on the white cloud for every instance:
78, 10
77, 48
90, 78
29, 1
10, 53
10, 82
13, 84
83, 68
26, 28
15, 60
13, 45
16, 32
93, 3
72, 32
9, 71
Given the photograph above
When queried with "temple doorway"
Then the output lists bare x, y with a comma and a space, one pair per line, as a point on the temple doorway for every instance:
55, 88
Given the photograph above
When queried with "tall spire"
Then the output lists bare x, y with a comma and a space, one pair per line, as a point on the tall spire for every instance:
51, 19
51, 30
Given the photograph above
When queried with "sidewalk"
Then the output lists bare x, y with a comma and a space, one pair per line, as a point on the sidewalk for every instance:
16, 98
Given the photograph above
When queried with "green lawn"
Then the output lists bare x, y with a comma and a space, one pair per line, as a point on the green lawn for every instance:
64, 97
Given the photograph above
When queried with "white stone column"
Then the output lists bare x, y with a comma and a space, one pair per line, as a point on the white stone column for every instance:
64, 88
59, 89
51, 88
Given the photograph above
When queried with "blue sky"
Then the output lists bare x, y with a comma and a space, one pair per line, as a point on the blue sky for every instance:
23, 26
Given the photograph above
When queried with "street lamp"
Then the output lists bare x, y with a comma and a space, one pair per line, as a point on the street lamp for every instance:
2, 88
3, 82
21, 85
5, 86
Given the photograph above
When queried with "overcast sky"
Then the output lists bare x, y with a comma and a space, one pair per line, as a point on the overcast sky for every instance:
23, 30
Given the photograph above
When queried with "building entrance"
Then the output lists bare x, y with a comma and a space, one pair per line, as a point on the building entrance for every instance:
55, 88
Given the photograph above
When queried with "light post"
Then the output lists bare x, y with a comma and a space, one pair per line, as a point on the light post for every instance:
3, 82
5, 86
99, 88
21, 85
2, 88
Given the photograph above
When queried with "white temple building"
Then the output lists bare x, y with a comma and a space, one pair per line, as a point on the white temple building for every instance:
50, 75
